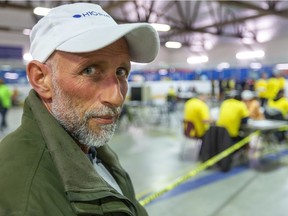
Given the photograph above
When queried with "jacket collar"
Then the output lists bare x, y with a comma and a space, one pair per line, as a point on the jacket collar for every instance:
75, 169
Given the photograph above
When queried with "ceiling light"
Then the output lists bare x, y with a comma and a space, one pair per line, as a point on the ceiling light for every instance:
250, 54
208, 45
255, 65
223, 65
41, 11
197, 59
27, 57
264, 36
163, 72
160, 27
173, 44
282, 66
10, 75
26, 31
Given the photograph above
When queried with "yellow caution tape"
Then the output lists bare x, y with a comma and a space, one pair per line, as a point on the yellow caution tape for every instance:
199, 168
284, 128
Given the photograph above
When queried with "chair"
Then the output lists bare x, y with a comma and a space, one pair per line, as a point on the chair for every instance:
272, 113
275, 114
191, 138
216, 140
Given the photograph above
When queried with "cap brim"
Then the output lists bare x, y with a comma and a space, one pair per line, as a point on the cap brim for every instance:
143, 40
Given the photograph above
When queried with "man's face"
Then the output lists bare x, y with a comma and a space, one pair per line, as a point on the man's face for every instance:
89, 90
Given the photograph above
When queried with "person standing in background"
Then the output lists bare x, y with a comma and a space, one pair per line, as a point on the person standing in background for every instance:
274, 85
171, 99
261, 89
5, 103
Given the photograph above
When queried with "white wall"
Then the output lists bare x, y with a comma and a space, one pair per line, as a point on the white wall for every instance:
158, 90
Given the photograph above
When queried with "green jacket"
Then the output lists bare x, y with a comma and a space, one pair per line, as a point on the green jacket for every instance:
44, 173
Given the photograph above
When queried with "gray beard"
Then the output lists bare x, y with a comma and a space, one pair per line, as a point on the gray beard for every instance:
66, 113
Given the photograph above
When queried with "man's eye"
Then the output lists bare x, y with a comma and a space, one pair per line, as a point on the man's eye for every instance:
90, 71
122, 72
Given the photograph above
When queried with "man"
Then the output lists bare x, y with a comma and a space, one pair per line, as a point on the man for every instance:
233, 112
79, 79
280, 103
5, 103
197, 112
277, 109
261, 88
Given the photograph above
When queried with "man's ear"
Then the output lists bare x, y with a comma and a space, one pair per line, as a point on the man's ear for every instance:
39, 76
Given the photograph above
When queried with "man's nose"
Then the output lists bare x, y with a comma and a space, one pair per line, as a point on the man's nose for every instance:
112, 93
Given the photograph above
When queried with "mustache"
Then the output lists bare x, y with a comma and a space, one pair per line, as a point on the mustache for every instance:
103, 111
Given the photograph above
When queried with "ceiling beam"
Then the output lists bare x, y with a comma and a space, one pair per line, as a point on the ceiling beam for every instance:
15, 6
242, 19
245, 5
115, 4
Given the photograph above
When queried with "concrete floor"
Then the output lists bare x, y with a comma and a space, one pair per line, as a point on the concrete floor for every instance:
149, 149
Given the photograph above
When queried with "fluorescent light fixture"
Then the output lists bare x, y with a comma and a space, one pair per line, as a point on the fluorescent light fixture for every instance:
26, 31
255, 65
160, 27
223, 65
27, 57
282, 66
264, 36
197, 59
163, 72
41, 11
173, 44
250, 54
208, 45
10, 75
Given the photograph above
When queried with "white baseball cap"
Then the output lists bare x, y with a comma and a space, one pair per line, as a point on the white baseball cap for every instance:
86, 27
247, 95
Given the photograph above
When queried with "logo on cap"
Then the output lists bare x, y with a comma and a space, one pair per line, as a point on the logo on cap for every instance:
90, 13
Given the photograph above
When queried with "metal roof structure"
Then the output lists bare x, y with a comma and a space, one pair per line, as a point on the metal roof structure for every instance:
198, 25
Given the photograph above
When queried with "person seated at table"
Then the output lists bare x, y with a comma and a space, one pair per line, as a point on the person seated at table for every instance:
253, 105
279, 106
197, 111
233, 112
280, 103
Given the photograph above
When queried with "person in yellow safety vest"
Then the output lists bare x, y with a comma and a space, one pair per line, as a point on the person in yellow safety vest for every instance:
5, 103
233, 113
261, 89
280, 103
197, 111
281, 79
273, 86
